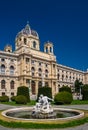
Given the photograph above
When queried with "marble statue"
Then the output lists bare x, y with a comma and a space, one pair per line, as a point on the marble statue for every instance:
43, 105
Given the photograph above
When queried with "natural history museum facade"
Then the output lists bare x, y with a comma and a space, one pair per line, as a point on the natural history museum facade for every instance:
28, 66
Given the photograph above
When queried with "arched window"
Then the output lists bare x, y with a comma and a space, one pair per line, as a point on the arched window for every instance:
2, 59
46, 49
3, 84
50, 49
58, 76
2, 69
3, 93
11, 70
12, 84
40, 71
33, 87
46, 73
25, 41
39, 84
34, 44
33, 71
62, 77
66, 77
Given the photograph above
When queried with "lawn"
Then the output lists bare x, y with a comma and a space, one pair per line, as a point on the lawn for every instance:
31, 103
78, 102
14, 104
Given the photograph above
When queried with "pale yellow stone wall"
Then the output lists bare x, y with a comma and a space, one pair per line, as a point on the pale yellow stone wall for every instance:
86, 78
7, 59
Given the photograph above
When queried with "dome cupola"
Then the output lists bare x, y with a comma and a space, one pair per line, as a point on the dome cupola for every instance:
28, 31
27, 37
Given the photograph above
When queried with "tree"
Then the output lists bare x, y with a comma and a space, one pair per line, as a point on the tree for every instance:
78, 85
46, 91
85, 92
23, 91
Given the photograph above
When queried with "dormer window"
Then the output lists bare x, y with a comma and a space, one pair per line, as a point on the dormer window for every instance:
34, 44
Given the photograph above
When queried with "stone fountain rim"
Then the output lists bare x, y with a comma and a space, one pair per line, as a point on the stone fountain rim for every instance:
81, 114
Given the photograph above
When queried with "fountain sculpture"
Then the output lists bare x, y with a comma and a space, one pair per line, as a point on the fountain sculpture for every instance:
43, 108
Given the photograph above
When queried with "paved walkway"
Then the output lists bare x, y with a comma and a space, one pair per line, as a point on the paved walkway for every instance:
82, 127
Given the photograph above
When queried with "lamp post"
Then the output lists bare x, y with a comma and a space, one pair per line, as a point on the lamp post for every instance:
29, 86
80, 94
43, 83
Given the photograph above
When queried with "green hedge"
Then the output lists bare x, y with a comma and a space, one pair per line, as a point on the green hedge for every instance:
63, 97
65, 88
13, 98
4, 98
23, 91
85, 92
21, 99
46, 91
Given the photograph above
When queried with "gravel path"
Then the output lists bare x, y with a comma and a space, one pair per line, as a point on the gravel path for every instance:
81, 127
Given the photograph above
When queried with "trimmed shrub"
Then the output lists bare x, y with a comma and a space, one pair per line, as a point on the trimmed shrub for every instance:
85, 92
46, 91
13, 98
23, 91
65, 88
21, 99
4, 98
63, 97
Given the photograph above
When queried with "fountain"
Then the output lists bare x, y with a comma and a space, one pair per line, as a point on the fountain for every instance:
42, 111
43, 108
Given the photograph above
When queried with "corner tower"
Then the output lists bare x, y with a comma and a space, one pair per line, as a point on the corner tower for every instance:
27, 37
48, 47
8, 48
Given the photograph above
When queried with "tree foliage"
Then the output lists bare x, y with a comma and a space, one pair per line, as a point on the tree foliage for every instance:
65, 88
46, 91
85, 92
23, 91
78, 85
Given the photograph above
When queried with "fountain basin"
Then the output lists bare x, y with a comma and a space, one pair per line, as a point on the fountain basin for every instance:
24, 114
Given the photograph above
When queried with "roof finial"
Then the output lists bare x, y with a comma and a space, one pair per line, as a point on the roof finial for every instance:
27, 22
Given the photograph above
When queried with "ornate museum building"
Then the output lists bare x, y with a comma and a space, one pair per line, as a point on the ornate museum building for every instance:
29, 66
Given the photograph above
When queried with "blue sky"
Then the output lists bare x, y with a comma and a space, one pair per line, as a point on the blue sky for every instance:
63, 22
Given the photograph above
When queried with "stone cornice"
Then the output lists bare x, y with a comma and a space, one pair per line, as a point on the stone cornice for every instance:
8, 54
69, 68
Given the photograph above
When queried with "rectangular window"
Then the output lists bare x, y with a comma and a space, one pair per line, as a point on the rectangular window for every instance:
32, 61
46, 65
12, 94
27, 81
53, 65
39, 63
3, 94
27, 60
